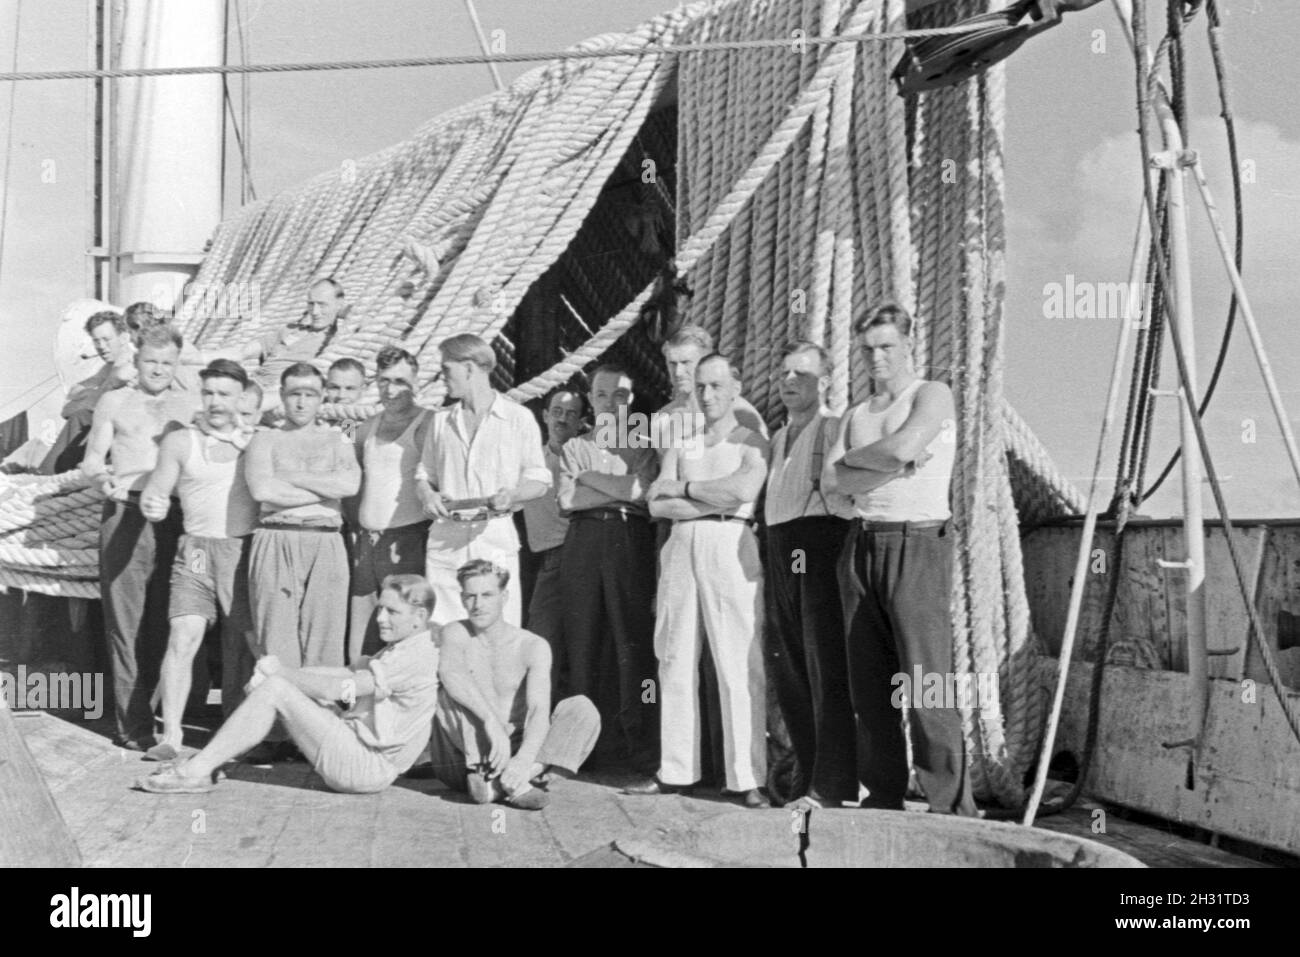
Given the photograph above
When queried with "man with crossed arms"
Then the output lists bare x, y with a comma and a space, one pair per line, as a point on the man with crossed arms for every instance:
711, 576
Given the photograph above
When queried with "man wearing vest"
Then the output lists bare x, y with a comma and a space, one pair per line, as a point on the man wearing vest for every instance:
711, 588
806, 528
392, 528
894, 456
203, 465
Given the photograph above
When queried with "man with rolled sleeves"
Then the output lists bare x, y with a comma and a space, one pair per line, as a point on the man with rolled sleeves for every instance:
710, 586
546, 526
806, 526
608, 556
482, 460
894, 456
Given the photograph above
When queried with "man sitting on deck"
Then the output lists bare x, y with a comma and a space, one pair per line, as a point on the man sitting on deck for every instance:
360, 727
494, 732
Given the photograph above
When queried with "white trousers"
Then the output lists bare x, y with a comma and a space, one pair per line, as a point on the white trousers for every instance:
449, 547
711, 585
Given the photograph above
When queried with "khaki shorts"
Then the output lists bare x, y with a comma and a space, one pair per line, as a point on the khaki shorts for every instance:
210, 579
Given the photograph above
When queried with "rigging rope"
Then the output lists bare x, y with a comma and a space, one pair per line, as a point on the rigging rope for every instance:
9, 141
1234, 162
795, 44
1255, 632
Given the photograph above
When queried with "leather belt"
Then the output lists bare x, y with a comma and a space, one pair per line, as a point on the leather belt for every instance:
281, 527
901, 527
607, 515
719, 518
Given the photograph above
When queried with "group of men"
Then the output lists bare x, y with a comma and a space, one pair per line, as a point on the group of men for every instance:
368, 581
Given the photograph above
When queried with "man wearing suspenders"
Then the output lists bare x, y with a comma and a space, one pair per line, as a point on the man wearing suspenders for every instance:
806, 527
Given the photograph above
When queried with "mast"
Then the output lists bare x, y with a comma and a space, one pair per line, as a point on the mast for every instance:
166, 151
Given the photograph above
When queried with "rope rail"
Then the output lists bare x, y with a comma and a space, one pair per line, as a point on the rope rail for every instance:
479, 59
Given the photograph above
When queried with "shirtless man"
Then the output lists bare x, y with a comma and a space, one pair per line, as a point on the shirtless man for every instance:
710, 575
203, 464
299, 569
494, 734
135, 556
360, 727
391, 529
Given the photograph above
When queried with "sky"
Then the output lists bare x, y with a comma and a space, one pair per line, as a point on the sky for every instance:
1073, 187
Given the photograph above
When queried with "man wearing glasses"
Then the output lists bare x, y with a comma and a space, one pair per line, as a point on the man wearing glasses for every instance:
391, 524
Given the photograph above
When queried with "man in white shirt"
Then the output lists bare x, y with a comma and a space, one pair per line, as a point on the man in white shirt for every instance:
806, 527
546, 526
360, 727
482, 460
606, 579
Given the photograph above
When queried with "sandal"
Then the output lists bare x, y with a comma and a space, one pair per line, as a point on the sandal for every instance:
170, 781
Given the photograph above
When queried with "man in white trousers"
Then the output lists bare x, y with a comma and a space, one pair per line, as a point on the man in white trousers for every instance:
482, 460
710, 575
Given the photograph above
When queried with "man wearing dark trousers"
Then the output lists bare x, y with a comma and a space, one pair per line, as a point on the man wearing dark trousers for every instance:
806, 526
894, 456
607, 566
546, 527
135, 557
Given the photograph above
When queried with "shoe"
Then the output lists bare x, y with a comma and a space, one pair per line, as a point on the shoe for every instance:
481, 789
753, 798
532, 799
655, 786
131, 744
170, 781
166, 754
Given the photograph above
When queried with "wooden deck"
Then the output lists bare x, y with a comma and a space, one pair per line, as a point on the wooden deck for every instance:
285, 817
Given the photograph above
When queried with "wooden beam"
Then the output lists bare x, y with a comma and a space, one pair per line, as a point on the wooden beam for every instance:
1247, 774
32, 831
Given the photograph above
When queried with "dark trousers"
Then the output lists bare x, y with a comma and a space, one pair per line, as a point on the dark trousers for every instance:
546, 603
608, 586
375, 556
896, 588
806, 662
135, 564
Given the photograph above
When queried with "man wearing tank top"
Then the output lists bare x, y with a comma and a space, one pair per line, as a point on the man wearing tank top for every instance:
894, 456
392, 528
710, 587
202, 465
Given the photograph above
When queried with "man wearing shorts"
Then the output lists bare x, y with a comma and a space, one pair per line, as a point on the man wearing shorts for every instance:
360, 727
202, 464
